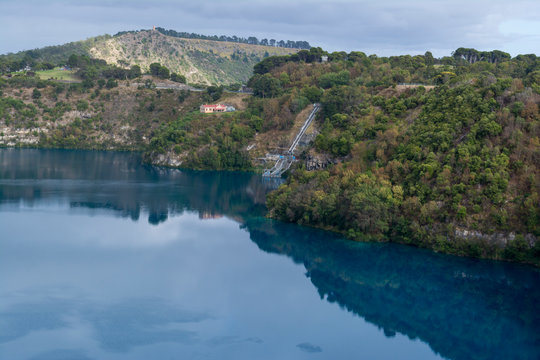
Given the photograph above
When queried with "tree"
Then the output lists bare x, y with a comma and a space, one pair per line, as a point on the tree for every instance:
313, 93
160, 71
428, 56
135, 72
473, 55
73, 60
469, 55
111, 84
154, 68
214, 92
329, 80
163, 73
265, 85
178, 78
36, 94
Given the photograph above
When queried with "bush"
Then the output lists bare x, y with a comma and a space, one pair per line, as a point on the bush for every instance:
82, 105
298, 104
178, 78
111, 84
36, 94
517, 249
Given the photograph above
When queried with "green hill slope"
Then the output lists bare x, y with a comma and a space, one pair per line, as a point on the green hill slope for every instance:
200, 61
452, 166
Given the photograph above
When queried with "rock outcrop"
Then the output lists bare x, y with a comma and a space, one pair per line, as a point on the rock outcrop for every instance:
317, 162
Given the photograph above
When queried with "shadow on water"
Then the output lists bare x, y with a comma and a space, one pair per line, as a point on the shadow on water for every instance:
463, 308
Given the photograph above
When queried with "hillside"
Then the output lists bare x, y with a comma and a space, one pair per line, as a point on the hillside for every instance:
451, 165
454, 167
50, 114
200, 61
165, 124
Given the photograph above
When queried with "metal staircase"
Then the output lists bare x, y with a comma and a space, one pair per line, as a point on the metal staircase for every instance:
285, 161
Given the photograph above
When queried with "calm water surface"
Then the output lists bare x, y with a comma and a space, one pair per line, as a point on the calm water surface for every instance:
104, 258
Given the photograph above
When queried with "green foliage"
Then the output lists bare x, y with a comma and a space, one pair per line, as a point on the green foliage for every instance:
265, 86
461, 155
82, 105
178, 78
358, 202
159, 70
111, 84
214, 92
312, 93
340, 99
329, 80
299, 103
211, 141
249, 40
135, 72
36, 94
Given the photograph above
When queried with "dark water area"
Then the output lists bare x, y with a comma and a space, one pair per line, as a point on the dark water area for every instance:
102, 257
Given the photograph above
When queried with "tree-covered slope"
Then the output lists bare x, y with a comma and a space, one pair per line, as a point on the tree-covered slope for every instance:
111, 115
454, 168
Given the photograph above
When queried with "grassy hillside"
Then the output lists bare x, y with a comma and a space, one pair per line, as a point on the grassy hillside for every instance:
57, 74
200, 61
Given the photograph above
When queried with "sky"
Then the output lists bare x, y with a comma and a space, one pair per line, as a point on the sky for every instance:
382, 27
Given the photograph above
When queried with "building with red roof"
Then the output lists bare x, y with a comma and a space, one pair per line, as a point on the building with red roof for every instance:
215, 108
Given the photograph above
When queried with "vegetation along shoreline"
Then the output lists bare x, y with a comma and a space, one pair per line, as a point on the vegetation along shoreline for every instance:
436, 153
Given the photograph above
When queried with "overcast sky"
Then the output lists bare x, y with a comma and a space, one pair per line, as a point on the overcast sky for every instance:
382, 27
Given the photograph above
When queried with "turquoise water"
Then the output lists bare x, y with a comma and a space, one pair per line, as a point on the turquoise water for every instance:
102, 257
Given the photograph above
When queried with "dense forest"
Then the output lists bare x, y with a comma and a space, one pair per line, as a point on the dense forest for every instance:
451, 164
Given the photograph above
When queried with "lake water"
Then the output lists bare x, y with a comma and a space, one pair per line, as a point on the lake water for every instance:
102, 257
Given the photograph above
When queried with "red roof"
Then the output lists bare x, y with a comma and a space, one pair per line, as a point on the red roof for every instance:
217, 106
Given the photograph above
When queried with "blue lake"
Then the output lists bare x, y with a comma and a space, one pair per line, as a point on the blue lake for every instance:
102, 257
